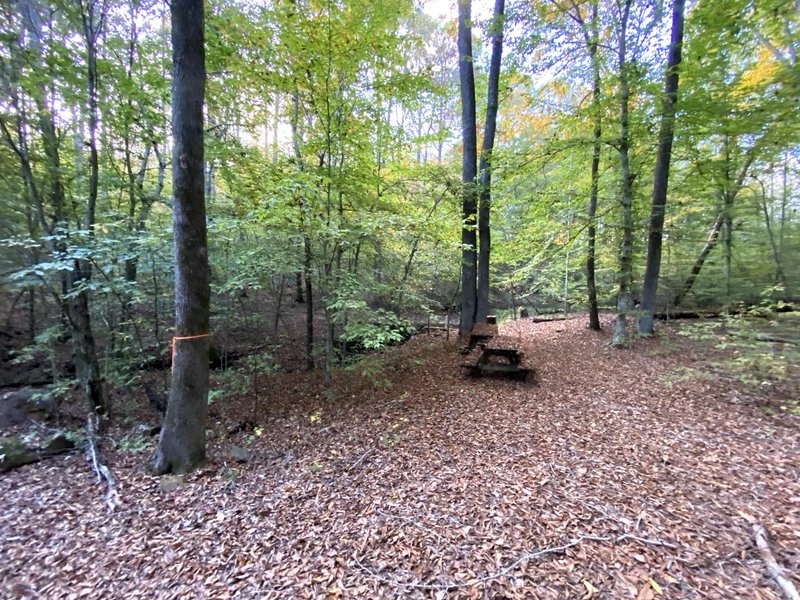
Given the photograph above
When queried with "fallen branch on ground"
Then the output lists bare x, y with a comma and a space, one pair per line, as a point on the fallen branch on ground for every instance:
772, 339
527, 557
773, 568
102, 472
360, 460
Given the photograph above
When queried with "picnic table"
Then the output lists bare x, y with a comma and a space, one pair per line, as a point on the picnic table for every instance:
498, 359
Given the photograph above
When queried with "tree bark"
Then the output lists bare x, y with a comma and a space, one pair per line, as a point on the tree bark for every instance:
298, 288
489, 128
182, 443
626, 198
591, 37
469, 168
307, 271
661, 174
591, 213
86, 363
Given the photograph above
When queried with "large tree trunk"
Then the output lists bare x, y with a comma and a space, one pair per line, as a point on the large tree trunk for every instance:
661, 174
182, 443
624, 274
489, 128
469, 168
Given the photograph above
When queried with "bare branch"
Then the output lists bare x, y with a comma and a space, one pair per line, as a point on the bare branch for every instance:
524, 558
773, 568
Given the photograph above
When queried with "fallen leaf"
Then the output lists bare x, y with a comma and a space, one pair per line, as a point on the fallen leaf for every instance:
654, 584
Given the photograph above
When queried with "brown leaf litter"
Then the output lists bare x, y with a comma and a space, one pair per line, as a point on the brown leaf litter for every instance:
608, 478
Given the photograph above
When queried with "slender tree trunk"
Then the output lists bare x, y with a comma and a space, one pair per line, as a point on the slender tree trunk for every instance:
92, 26
626, 198
307, 253
711, 241
182, 443
591, 242
76, 307
780, 278
31, 315
490, 126
275, 123
135, 188
278, 303
469, 168
87, 366
784, 200
728, 193
211, 189
727, 247
298, 288
307, 268
661, 174
86, 362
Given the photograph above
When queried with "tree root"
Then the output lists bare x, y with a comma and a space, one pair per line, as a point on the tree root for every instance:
102, 472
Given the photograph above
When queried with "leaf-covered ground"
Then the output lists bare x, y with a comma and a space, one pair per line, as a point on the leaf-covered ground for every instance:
618, 474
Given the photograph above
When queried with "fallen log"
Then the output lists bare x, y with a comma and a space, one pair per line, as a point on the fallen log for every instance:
686, 314
773, 568
716, 313
545, 319
777, 340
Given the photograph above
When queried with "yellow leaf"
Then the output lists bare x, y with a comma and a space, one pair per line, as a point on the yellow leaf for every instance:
590, 589
654, 585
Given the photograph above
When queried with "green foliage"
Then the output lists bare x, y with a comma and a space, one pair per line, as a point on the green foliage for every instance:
374, 369
682, 374
252, 437
752, 346
239, 380
134, 443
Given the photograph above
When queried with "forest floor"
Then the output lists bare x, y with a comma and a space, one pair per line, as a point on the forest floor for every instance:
634, 473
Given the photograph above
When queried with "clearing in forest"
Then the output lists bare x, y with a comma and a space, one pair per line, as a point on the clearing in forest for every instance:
619, 474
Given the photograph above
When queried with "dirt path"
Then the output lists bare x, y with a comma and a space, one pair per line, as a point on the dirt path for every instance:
428, 484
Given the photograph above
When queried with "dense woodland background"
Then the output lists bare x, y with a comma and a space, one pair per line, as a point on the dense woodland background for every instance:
332, 172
